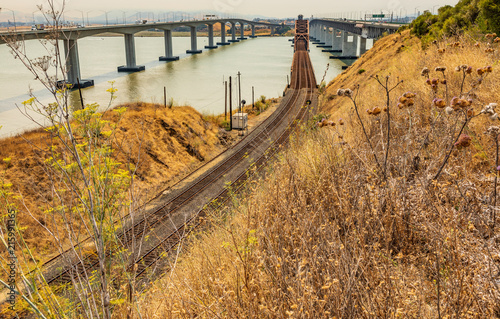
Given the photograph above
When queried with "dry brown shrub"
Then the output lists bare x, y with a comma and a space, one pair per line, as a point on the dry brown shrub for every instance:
322, 236
325, 234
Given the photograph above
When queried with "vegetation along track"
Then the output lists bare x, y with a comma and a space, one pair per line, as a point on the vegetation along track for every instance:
304, 79
302, 89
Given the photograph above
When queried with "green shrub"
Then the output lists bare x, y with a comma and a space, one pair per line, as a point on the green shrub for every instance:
421, 25
489, 19
465, 16
312, 123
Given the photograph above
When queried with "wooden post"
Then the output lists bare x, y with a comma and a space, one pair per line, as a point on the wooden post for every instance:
239, 90
253, 98
230, 104
165, 96
225, 102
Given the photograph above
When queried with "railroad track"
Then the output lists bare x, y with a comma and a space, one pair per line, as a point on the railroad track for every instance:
152, 257
302, 79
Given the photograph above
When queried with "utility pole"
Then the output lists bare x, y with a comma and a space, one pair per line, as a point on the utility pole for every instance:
253, 98
225, 102
230, 104
239, 89
240, 117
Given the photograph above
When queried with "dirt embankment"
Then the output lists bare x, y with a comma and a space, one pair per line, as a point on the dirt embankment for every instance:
164, 143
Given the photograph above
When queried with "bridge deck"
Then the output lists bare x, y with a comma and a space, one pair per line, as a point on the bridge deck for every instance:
78, 33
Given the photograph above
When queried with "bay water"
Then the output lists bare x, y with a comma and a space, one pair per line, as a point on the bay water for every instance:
197, 80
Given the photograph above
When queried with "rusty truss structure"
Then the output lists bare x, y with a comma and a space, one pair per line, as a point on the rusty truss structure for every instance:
301, 40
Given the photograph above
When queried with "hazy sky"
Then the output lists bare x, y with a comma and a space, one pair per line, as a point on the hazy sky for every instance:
279, 9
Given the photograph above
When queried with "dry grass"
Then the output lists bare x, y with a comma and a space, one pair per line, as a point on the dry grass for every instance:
164, 143
401, 56
319, 239
326, 235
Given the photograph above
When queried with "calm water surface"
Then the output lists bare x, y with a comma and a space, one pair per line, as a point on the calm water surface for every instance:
196, 80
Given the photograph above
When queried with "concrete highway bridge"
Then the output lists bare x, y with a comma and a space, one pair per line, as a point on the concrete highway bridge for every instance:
70, 36
347, 37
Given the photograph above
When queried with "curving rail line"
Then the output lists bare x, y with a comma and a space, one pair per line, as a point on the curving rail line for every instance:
303, 79
301, 90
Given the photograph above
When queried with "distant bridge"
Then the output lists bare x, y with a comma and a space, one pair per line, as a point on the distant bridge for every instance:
347, 37
71, 35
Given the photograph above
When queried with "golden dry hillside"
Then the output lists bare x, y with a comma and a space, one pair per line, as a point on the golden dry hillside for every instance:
389, 214
164, 143
402, 57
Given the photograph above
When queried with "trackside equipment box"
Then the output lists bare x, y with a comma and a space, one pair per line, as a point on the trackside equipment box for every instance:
240, 121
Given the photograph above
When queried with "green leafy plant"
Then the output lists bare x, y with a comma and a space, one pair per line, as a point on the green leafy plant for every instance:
89, 194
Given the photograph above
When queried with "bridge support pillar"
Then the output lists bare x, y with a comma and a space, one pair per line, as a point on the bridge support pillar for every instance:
130, 56
337, 40
194, 42
242, 31
362, 46
210, 37
321, 36
223, 34
331, 34
253, 31
273, 30
327, 39
233, 33
73, 66
349, 45
314, 32
169, 56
